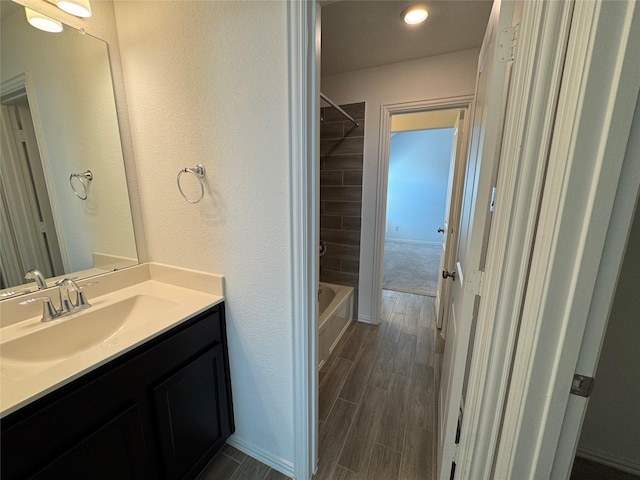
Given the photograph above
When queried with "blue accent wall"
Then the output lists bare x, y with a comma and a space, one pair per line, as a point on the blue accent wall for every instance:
419, 164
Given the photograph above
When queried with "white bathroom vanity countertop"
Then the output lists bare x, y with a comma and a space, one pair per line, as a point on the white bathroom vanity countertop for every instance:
129, 307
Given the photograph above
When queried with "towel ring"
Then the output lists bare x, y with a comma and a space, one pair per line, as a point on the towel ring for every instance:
83, 178
198, 171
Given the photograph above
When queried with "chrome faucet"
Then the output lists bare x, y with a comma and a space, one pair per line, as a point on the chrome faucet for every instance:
67, 306
66, 286
36, 276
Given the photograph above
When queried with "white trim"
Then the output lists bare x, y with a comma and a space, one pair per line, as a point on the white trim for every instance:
386, 111
264, 456
599, 88
412, 242
609, 460
303, 102
364, 318
527, 135
13, 88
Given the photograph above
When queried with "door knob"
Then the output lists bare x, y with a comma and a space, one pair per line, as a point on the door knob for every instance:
441, 230
447, 273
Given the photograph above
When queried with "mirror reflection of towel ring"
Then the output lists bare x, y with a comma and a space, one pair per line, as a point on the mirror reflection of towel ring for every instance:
198, 171
83, 178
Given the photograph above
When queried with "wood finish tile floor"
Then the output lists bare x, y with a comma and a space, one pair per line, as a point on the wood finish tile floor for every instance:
231, 464
378, 405
378, 402
378, 408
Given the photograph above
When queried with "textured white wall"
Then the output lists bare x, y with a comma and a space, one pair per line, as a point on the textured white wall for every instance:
430, 78
206, 83
610, 430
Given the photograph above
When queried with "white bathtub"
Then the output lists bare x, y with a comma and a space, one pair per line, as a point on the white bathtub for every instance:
336, 307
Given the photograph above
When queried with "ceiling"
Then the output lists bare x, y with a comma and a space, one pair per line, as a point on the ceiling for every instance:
360, 34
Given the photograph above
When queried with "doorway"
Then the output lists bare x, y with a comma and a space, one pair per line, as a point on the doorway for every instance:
447, 121
379, 88
420, 147
31, 242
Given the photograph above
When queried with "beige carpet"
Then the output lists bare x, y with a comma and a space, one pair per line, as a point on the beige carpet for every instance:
411, 267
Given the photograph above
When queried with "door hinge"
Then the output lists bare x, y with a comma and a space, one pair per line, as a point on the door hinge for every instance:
43, 227
507, 40
21, 136
451, 452
475, 281
582, 385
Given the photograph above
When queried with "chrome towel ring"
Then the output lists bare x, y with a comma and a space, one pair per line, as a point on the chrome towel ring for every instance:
83, 178
198, 171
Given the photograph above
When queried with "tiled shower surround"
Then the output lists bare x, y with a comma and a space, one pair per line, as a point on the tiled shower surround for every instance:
341, 159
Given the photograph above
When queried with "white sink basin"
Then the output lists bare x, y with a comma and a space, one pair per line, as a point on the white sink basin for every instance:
130, 307
83, 330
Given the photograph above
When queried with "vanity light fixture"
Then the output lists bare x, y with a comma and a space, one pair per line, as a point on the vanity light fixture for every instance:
414, 15
79, 8
42, 22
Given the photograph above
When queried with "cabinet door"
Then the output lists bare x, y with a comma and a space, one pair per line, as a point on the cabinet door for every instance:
114, 450
193, 414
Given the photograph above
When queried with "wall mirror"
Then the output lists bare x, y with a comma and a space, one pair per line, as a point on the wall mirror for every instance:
64, 204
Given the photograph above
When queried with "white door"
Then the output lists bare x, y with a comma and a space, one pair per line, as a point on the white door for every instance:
606, 282
29, 235
475, 218
451, 217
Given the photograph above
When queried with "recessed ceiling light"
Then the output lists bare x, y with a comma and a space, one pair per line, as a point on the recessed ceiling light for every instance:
415, 15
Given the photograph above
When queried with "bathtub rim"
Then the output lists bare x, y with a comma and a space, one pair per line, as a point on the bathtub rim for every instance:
342, 293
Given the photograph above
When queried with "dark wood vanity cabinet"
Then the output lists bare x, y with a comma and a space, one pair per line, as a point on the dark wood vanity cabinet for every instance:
160, 411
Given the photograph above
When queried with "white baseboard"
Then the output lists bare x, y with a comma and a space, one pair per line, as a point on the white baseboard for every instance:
280, 464
609, 460
365, 319
412, 242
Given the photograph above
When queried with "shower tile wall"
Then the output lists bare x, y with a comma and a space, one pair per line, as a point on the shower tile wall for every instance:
341, 159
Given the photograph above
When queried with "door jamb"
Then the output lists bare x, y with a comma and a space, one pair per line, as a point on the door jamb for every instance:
386, 112
304, 149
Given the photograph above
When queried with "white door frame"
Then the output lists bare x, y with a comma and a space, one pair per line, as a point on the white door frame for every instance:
304, 148
386, 112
